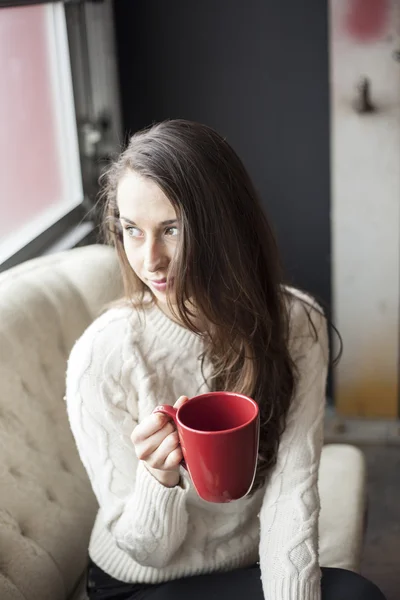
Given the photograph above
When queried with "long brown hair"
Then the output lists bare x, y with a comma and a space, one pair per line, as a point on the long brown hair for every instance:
227, 264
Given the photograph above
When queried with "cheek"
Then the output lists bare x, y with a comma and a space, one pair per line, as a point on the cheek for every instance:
134, 259
172, 250
170, 254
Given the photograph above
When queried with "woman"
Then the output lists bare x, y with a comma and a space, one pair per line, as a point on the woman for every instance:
204, 308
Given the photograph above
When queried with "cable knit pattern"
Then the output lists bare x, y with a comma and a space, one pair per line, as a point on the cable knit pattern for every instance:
290, 510
126, 364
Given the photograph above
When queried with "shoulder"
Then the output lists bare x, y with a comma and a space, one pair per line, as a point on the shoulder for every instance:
103, 332
102, 339
99, 389
308, 326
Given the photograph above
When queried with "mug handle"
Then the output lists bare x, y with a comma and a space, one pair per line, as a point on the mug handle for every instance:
171, 412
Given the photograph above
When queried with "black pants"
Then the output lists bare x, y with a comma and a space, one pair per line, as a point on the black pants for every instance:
337, 584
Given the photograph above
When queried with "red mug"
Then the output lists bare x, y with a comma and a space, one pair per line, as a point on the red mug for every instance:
219, 436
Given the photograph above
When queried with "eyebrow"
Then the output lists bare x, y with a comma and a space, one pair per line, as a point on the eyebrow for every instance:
163, 223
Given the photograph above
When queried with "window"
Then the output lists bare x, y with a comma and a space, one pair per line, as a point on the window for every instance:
39, 154
60, 122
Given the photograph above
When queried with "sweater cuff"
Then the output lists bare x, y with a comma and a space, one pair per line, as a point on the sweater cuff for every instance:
292, 589
153, 498
145, 477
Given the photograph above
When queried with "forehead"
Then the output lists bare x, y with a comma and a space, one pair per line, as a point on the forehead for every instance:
140, 199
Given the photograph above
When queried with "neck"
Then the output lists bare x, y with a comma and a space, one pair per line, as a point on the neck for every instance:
196, 319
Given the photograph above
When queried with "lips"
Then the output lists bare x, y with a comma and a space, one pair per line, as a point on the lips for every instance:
160, 285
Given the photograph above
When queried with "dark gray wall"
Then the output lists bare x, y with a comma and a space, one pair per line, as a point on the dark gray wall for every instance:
257, 71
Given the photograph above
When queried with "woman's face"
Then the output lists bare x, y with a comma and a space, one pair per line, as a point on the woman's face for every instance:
150, 231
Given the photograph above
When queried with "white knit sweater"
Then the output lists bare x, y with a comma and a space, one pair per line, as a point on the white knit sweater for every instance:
122, 367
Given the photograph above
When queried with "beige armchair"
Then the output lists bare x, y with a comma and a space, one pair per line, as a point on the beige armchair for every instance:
47, 507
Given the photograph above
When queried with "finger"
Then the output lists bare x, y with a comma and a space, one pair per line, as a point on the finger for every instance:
148, 446
158, 458
173, 459
153, 423
181, 400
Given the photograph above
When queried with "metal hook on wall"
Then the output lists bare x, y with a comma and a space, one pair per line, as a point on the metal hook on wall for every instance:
363, 103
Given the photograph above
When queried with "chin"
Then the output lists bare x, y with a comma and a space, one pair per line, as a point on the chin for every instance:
162, 297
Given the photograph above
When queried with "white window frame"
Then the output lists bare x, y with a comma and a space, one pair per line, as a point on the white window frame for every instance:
67, 138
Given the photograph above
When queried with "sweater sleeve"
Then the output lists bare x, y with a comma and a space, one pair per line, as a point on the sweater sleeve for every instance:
289, 515
147, 520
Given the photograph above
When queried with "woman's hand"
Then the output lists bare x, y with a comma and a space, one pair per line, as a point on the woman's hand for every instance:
156, 443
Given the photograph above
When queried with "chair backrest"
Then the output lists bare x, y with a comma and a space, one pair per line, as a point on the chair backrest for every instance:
47, 507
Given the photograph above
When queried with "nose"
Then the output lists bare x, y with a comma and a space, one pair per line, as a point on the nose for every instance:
154, 257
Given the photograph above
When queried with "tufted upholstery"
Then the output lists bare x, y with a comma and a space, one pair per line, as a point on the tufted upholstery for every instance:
46, 504
47, 507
